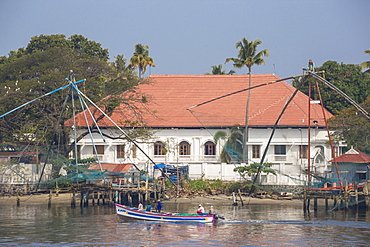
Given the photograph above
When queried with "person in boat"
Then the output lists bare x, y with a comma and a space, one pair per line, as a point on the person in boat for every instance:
140, 207
200, 209
148, 208
159, 206
211, 211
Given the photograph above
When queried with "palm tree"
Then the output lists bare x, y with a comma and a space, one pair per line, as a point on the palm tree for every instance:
248, 57
366, 65
217, 70
232, 150
141, 58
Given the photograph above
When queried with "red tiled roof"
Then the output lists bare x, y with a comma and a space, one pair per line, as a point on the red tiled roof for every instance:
352, 157
118, 168
169, 97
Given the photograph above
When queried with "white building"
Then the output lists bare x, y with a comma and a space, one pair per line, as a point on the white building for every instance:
17, 170
185, 136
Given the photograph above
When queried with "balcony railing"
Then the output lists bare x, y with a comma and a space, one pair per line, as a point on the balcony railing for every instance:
280, 157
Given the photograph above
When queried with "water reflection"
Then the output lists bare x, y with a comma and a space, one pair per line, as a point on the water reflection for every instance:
253, 225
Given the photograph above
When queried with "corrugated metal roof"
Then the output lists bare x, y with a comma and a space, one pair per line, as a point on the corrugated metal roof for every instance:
352, 156
118, 168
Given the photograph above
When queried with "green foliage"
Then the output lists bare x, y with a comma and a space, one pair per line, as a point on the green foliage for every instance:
168, 184
197, 184
248, 55
86, 162
217, 70
42, 67
201, 185
141, 58
211, 184
348, 78
217, 184
70, 169
30, 76
353, 127
253, 168
236, 186
232, 150
76, 42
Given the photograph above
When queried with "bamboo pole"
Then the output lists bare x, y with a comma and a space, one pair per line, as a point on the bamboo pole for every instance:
240, 197
73, 199
234, 200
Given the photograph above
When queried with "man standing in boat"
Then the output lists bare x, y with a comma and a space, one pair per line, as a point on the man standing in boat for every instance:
159, 206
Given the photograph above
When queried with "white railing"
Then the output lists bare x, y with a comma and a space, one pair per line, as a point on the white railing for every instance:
280, 157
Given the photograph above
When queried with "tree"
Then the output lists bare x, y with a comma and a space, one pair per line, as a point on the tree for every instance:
217, 70
41, 68
141, 58
253, 168
366, 65
75, 42
348, 78
248, 56
353, 127
232, 150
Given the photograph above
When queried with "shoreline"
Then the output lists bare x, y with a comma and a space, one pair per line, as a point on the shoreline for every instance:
66, 198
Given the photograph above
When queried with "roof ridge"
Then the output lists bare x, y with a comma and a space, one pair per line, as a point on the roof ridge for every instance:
200, 75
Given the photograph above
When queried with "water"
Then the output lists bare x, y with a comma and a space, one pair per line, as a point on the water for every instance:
263, 225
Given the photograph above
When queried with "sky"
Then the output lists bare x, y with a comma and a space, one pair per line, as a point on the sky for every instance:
188, 37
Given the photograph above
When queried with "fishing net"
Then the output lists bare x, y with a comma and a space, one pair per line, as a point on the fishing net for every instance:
270, 108
45, 166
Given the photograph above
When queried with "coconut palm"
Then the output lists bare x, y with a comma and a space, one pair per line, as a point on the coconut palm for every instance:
248, 56
217, 70
366, 65
232, 150
141, 58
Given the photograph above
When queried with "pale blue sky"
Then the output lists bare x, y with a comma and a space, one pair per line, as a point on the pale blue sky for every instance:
188, 37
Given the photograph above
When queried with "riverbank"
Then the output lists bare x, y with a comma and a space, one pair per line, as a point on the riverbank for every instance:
62, 198
65, 198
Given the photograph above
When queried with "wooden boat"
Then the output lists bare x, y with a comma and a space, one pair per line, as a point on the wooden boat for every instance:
134, 213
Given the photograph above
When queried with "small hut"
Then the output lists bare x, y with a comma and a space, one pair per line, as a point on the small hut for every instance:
118, 174
353, 166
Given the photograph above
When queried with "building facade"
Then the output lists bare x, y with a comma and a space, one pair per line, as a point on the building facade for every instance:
185, 128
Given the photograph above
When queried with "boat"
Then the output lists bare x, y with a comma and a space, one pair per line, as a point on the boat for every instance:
134, 213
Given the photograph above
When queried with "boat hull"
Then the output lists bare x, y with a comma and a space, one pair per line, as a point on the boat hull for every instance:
133, 213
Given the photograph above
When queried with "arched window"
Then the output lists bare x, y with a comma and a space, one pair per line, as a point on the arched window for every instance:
209, 148
159, 148
184, 148
319, 155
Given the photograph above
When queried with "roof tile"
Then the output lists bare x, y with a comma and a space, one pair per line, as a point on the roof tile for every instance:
169, 97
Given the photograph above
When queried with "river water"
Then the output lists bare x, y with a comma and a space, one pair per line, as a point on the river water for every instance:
263, 225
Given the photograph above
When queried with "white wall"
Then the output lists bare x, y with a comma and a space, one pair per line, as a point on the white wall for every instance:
288, 167
22, 173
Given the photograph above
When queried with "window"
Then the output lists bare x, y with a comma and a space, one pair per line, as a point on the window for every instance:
184, 148
120, 151
99, 149
133, 151
209, 148
159, 148
303, 151
336, 150
280, 149
256, 151
361, 175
